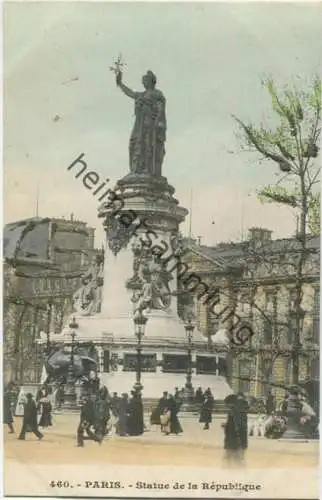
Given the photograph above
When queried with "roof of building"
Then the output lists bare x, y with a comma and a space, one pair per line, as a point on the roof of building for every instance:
28, 238
229, 254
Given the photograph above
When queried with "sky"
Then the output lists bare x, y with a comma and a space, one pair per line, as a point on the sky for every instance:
60, 100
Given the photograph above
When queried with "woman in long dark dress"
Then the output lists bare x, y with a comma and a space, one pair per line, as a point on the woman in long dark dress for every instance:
45, 408
122, 424
7, 411
236, 438
135, 424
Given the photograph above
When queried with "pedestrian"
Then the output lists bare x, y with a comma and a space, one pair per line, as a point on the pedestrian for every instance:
178, 397
59, 397
206, 409
41, 393
114, 412
270, 403
7, 411
45, 408
135, 422
236, 439
88, 421
173, 409
199, 396
102, 413
155, 418
284, 404
29, 423
123, 407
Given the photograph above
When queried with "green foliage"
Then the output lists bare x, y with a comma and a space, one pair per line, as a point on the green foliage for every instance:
279, 194
314, 214
293, 145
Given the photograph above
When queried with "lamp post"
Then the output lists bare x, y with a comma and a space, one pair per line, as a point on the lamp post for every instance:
294, 430
139, 324
298, 315
188, 394
70, 397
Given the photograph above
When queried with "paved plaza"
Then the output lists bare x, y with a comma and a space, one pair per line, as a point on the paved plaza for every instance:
194, 447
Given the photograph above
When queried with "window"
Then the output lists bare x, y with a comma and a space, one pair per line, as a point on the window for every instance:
288, 370
106, 361
292, 299
315, 369
206, 364
175, 363
244, 371
292, 329
268, 331
316, 316
270, 298
148, 362
244, 300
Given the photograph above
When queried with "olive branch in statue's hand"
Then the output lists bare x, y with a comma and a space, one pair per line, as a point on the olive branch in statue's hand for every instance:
117, 69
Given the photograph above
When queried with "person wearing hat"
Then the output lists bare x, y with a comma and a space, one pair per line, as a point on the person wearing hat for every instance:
206, 409
235, 441
122, 424
88, 420
44, 405
102, 412
135, 423
29, 423
158, 414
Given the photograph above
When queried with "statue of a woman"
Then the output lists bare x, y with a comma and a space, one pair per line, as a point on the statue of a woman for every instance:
149, 132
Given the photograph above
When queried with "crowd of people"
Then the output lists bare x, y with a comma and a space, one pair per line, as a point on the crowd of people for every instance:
103, 414
37, 412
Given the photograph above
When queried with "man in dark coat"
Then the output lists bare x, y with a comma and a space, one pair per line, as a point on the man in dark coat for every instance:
102, 413
30, 423
284, 404
159, 410
7, 411
206, 409
173, 408
270, 403
199, 396
88, 420
122, 424
135, 423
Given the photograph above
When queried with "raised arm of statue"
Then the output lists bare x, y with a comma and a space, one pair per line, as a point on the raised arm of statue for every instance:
127, 91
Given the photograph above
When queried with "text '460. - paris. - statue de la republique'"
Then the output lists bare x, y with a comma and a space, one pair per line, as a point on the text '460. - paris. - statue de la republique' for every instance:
128, 304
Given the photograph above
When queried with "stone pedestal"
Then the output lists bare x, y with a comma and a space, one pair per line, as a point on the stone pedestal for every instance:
143, 208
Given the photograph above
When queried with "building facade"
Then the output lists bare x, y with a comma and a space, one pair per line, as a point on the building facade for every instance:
44, 259
256, 279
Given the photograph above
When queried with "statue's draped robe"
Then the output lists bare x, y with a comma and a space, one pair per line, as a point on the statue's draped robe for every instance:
149, 133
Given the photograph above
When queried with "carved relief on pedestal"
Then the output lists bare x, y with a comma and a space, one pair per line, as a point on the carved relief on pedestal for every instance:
150, 280
87, 300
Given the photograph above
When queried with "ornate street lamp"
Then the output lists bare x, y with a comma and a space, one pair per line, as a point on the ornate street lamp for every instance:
294, 430
297, 346
70, 397
139, 325
188, 392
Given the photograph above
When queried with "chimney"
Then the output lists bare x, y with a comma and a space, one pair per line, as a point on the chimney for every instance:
259, 236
